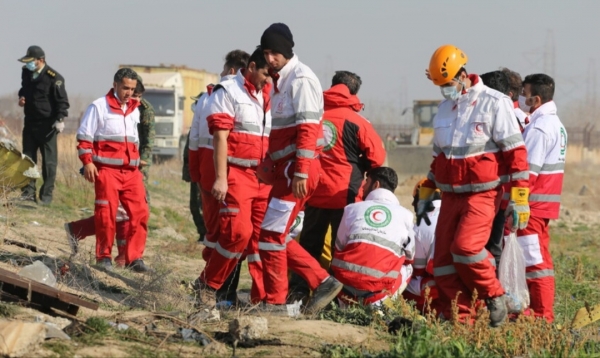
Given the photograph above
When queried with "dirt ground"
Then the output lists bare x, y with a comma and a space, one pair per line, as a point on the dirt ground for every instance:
172, 250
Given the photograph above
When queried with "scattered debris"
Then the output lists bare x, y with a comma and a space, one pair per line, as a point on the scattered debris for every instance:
39, 272
192, 335
586, 315
53, 331
20, 338
203, 316
24, 245
119, 326
16, 288
35, 223
247, 328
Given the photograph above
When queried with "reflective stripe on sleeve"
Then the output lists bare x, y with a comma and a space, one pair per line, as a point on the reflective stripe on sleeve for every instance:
363, 270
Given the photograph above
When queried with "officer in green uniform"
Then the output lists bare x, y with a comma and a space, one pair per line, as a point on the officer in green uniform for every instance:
44, 98
195, 198
146, 133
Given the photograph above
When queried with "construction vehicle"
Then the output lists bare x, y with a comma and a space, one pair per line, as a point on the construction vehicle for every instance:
423, 113
169, 89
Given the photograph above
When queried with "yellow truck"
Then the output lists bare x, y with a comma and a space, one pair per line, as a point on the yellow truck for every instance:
168, 89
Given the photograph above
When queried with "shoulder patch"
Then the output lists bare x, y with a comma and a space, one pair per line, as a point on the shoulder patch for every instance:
51, 73
217, 87
58, 83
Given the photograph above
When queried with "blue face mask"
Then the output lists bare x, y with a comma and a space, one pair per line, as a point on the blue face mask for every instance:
30, 66
451, 92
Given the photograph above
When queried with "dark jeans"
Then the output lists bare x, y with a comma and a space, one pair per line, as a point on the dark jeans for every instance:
41, 136
496, 241
196, 209
312, 238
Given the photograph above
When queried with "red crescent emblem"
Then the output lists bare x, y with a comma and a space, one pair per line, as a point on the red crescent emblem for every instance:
375, 215
479, 127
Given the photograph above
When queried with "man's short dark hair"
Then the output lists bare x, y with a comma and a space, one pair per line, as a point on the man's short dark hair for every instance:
496, 80
386, 176
350, 79
258, 57
515, 83
125, 73
541, 85
237, 59
139, 87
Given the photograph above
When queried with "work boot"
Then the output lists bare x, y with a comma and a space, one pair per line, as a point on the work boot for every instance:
206, 296
498, 311
105, 264
273, 309
325, 293
71, 240
139, 266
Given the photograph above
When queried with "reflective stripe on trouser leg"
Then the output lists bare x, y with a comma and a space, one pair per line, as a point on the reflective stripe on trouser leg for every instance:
539, 275
235, 228
132, 194
210, 208
255, 266
122, 236
472, 261
281, 213
107, 186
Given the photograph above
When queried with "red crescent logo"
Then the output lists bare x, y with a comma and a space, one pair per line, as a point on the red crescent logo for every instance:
478, 127
375, 215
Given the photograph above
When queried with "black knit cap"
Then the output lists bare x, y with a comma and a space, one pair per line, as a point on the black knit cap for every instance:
278, 38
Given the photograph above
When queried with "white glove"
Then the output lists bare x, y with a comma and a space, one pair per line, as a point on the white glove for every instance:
60, 126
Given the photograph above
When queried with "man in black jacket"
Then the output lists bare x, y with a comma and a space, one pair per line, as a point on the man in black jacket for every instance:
45, 102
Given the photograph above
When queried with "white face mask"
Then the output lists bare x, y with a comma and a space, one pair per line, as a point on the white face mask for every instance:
523, 104
451, 92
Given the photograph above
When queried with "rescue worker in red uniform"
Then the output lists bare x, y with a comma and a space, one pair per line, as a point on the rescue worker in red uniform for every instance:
422, 276
546, 142
202, 172
352, 147
108, 148
475, 135
375, 238
296, 110
240, 122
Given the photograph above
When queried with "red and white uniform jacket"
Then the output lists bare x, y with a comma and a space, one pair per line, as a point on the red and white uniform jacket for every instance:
546, 142
200, 113
522, 117
475, 137
108, 134
352, 146
374, 239
236, 106
296, 109
422, 276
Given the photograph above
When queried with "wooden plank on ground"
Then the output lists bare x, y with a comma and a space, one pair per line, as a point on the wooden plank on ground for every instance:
41, 295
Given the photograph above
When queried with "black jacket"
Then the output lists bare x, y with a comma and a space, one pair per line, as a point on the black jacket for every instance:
45, 96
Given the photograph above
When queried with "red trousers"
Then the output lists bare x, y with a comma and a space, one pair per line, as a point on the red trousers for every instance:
87, 227
277, 250
535, 242
127, 186
239, 227
461, 263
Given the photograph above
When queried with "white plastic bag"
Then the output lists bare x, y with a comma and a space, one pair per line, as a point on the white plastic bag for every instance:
512, 274
39, 272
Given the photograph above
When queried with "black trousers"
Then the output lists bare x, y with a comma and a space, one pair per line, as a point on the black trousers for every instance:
41, 136
312, 239
496, 241
196, 209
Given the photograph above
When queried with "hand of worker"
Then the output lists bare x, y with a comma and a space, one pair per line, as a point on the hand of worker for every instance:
427, 74
59, 126
518, 209
425, 204
219, 189
143, 163
21, 101
299, 187
90, 172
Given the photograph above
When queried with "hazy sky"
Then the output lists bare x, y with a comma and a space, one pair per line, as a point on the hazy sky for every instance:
388, 43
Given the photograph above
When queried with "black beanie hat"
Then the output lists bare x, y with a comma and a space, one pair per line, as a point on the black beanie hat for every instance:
278, 38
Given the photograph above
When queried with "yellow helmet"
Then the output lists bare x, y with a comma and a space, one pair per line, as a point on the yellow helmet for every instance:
418, 186
445, 63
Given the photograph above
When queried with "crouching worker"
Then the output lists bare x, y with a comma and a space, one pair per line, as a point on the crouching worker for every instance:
374, 240
422, 276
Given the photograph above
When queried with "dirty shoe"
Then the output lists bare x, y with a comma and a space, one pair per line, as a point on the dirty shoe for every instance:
324, 294
71, 240
105, 264
206, 296
139, 266
498, 311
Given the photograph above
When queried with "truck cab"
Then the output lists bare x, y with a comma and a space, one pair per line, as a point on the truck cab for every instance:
165, 92
423, 113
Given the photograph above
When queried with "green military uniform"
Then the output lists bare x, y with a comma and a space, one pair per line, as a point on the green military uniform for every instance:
195, 198
46, 102
146, 134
